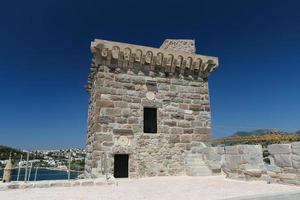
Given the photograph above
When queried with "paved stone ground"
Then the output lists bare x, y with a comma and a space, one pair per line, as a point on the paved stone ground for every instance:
166, 188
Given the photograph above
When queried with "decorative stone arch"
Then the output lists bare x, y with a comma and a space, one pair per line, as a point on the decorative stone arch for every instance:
169, 59
179, 61
127, 54
159, 58
138, 55
115, 52
104, 52
189, 62
148, 57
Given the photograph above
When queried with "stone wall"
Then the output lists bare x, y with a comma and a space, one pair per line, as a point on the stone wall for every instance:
240, 161
116, 114
285, 163
246, 162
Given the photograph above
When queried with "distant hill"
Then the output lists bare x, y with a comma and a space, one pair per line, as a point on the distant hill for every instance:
255, 132
263, 137
15, 153
260, 132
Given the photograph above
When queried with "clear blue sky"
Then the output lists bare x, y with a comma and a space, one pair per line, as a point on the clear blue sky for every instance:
45, 58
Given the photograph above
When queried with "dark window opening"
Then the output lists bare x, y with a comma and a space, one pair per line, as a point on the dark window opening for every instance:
150, 120
121, 166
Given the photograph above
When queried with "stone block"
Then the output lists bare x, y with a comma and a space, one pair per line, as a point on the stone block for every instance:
100, 137
128, 86
296, 161
13, 186
283, 160
185, 124
231, 150
188, 131
287, 170
163, 86
197, 123
174, 138
126, 112
202, 131
189, 117
250, 149
220, 150
210, 153
121, 120
170, 122
195, 107
138, 80
87, 182
176, 130
133, 120
106, 119
113, 97
26, 185
253, 172
123, 78
67, 184
108, 144
120, 104
106, 104
41, 184
179, 116
185, 138
232, 162
151, 85
253, 159
288, 176
199, 137
213, 165
179, 82
184, 106
296, 148
57, 183
196, 149
123, 131
279, 149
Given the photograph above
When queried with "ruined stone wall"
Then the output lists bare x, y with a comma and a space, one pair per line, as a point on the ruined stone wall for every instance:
116, 122
285, 163
246, 162
239, 161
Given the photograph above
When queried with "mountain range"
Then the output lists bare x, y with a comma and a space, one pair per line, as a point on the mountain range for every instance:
260, 132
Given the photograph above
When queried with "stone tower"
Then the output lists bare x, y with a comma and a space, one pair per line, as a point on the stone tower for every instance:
147, 107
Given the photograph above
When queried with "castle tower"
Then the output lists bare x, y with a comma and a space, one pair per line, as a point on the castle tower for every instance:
147, 107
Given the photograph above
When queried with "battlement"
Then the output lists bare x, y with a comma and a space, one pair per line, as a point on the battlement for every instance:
174, 57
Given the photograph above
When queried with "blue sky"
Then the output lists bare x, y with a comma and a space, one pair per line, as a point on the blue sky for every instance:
45, 58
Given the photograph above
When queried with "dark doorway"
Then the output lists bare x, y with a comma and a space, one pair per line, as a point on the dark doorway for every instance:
121, 166
150, 120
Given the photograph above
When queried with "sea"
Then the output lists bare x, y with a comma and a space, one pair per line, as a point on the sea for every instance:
42, 174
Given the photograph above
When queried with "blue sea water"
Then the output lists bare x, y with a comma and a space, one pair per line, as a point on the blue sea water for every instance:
42, 174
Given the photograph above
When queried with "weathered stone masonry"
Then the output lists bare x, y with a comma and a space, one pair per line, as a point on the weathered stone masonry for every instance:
124, 79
